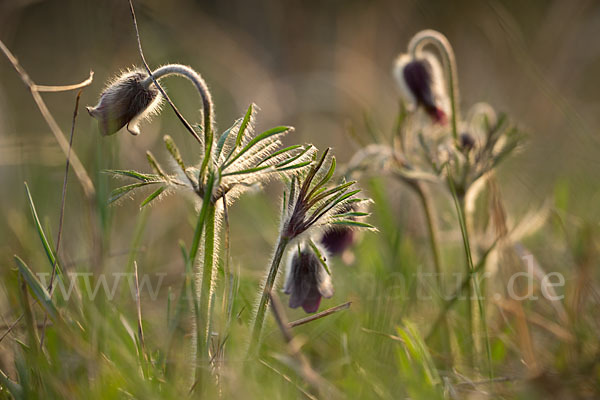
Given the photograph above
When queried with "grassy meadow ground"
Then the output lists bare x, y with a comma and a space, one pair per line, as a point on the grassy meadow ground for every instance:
324, 68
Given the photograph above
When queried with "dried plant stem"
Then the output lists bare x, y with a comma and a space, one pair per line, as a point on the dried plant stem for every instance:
320, 315
185, 123
62, 214
82, 176
261, 310
304, 368
444, 47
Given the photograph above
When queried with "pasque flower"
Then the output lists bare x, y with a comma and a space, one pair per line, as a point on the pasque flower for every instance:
307, 280
337, 238
421, 84
127, 100
311, 205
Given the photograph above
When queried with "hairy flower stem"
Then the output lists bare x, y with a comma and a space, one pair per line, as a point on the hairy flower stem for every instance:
204, 307
443, 46
207, 213
207, 104
264, 300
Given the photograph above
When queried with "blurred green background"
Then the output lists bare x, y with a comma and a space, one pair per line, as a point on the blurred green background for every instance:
320, 66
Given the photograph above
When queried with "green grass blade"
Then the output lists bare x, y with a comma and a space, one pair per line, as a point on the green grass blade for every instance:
37, 288
13, 387
42, 235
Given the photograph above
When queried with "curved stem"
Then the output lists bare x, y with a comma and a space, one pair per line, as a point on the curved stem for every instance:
264, 300
207, 103
443, 46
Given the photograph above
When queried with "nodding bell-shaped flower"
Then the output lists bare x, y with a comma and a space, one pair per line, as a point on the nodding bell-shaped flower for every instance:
307, 281
127, 100
421, 84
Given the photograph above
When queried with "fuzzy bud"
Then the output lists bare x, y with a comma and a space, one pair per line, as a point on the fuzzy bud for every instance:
467, 141
338, 238
421, 84
125, 102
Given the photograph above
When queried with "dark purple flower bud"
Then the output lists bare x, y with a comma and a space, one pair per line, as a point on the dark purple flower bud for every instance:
467, 142
419, 81
336, 240
126, 101
307, 281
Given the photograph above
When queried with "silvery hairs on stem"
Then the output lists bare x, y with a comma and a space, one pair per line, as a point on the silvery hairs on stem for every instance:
238, 160
312, 204
321, 221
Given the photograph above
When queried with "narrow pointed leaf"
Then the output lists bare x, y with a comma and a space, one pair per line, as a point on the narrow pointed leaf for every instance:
319, 256
156, 166
133, 174
349, 222
123, 190
13, 387
42, 235
223, 138
265, 135
279, 152
297, 156
295, 166
174, 151
244, 125
153, 196
325, 179
37, 288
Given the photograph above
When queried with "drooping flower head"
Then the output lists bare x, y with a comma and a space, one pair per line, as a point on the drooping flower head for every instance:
313, 208
421, 84
307, 281
127, 100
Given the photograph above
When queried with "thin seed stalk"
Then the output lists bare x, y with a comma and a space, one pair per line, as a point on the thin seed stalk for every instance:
264, 300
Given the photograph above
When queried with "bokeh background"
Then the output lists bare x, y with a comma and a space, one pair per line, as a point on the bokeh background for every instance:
320, 66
